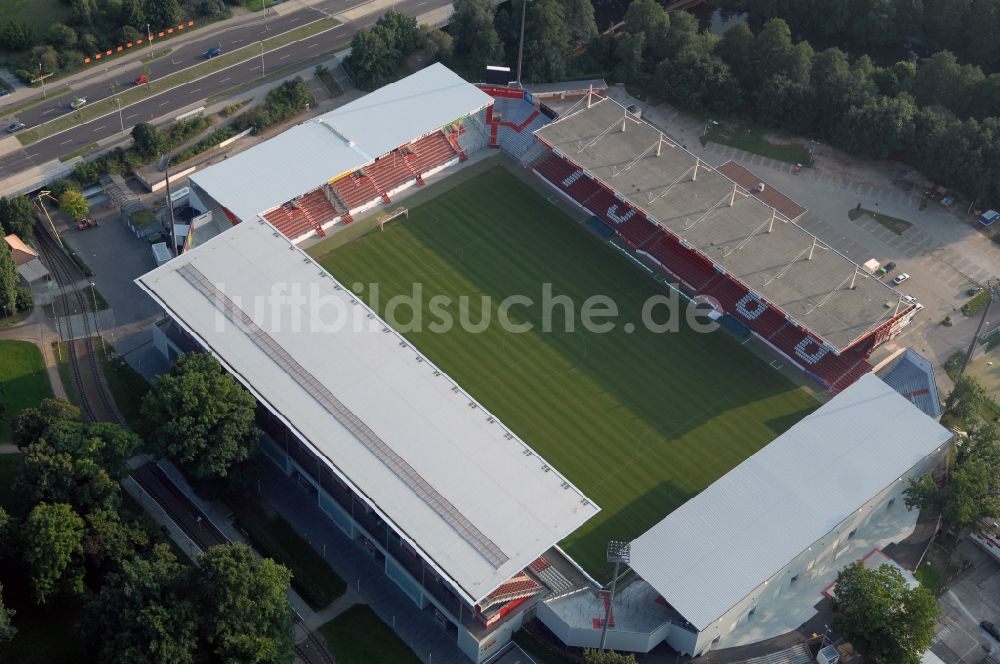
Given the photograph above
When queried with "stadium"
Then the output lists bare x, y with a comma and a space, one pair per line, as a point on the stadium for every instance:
489, 470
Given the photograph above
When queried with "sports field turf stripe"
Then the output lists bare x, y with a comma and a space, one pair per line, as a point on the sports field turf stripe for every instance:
640, 422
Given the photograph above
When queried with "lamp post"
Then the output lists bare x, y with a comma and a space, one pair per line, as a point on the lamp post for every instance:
709, 122
262, 59
618, 552
149, 38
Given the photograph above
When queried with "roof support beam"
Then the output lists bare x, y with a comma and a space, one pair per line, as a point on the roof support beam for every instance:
747, 238
788, 266
712, 209
653, 199
604, 133
827, 297
642, 154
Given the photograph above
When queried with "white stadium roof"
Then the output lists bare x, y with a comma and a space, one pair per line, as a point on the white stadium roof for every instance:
320, 149
719, 546
477, 502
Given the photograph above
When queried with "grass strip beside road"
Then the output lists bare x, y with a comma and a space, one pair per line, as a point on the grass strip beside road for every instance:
79, 153
312, 577
139, 93
34, 101
358, 636
156, 55
750, 138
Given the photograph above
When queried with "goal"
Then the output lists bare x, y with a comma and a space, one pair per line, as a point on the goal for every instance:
383, 219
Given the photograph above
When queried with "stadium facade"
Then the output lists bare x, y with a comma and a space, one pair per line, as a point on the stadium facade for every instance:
464, 515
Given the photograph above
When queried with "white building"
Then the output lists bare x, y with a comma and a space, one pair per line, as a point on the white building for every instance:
732, 560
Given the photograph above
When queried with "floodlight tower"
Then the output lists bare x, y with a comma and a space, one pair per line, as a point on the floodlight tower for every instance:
618, 552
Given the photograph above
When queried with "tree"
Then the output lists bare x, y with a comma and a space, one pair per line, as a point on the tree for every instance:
737, 50
7, 630
17, 215
162, 13
201, 417
31, 422
73, 204
966, 400
147, 140
628, 56
780, 102
972, 492
649, 18
8, 281
699, 80
84, 11
243, 602
438, 44
883, 127
773, 50
371, 59
591, 656
53, 545
16, 35
144, 613
884, 618
476, 38
61, 36
580, 20
546, 39
109, 542
132, 14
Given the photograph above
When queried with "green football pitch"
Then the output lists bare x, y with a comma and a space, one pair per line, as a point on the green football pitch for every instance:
640, 421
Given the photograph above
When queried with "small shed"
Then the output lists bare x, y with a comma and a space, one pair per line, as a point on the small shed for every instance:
29, 267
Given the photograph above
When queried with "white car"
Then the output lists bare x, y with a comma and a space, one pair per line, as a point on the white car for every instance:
900, 278
918, 307
77, 102
909, 299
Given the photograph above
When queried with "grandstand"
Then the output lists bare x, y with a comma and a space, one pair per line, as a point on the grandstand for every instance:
719, 240
326, 170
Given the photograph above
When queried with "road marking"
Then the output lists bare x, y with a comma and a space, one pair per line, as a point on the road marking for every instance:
51, 110
254, 68
313, 45
164, 103
99, 128
131, 116
287, 55
66, 142
225, 79
236, 41
421, 4
293, 20
193, 91
33, 155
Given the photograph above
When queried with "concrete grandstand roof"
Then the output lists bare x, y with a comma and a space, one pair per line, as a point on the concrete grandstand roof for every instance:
714, 550
320, 149
466, 492
771, 259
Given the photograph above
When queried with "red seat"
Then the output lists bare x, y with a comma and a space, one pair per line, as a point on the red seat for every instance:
306, 213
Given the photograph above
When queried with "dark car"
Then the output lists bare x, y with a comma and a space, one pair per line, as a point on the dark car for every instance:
213, 53
975, 290
991, 629
14, 126
887, 268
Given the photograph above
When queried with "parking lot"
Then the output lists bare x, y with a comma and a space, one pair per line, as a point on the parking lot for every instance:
974, 597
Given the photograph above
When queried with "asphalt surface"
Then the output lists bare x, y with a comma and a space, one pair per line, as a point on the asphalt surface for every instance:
186, 54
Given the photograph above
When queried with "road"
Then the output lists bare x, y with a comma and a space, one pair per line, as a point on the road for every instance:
187, 54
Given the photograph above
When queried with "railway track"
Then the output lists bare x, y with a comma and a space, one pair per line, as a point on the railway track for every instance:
204, 534
98, 406
81, 349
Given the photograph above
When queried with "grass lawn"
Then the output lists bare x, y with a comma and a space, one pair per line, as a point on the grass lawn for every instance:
39, 14
330, 82
936, 571
358, 636
127, 386
59, 351
80, 152
14, 319
977, 303
750, 138
639, 421
137, 93
312, 576
23, 380
894, 224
